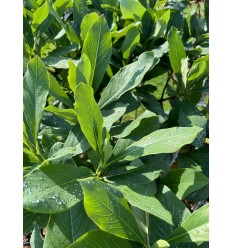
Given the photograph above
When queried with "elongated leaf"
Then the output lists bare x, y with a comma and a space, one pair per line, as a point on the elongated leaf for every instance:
29, 218
97, 46
39, 16
77, 140
64, 228
131, 8
35, 91
158, 229
130, 42
58, 62
195, 74
190, 116
107, 207
127, 78
36, 240
194, 229
59, 191
79, 12
68, 115
138, 197
161, 244
176, 50
89, 116
99, 238
162, 141
27, 32
184, 181
57, 92
87, 23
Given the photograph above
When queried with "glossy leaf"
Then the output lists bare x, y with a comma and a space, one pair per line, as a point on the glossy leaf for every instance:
97, 47
127, 78
194, 229
138, 197
99, 238
66, 227
35, 91
109, 210
131, 9
87, 23
176, 50
162, 141
60, 189
89, 116
195, 74
184, 181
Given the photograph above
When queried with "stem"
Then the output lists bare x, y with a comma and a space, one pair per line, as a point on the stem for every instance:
162, 96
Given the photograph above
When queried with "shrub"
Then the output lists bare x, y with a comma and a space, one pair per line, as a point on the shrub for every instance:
116, 123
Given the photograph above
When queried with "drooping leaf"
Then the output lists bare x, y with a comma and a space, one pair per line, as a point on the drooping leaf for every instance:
194, 229
99, 238
127, 78
97, 47
66, 227
162, 141
89, 116
36, 240
176, 50
35, 91
59, 191
184, 181
138, 197
107, 207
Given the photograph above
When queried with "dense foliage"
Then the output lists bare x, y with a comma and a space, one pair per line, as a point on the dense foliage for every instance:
116, 123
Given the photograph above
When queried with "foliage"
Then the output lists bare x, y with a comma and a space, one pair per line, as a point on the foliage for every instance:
115, 125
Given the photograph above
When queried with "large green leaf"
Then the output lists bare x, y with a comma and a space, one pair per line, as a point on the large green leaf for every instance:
194, 229
184, 181
137, 196
89, 116
36, 240
35, 91
53, 188
190, 116
158, 229
127, 78
87, 23
176, 50
162, 141
97, 46
64, 228
107, 207
100, 239
131, 8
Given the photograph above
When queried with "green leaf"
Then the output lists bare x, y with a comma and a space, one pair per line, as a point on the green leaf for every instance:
130, 42
138, 197
161, 244
184, 181
87, 23
190, 116
89, 116
195, 74
35, 91
59, 191
27, 32
176, 50
39, 16
131, 9
58, 62
36, 240
194, 229
127, 78
159, 229
99, 238
57, 92
77, 140
29, 218
64, 228
184, 70
79, 12
162, 141
98, 47
107, 207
